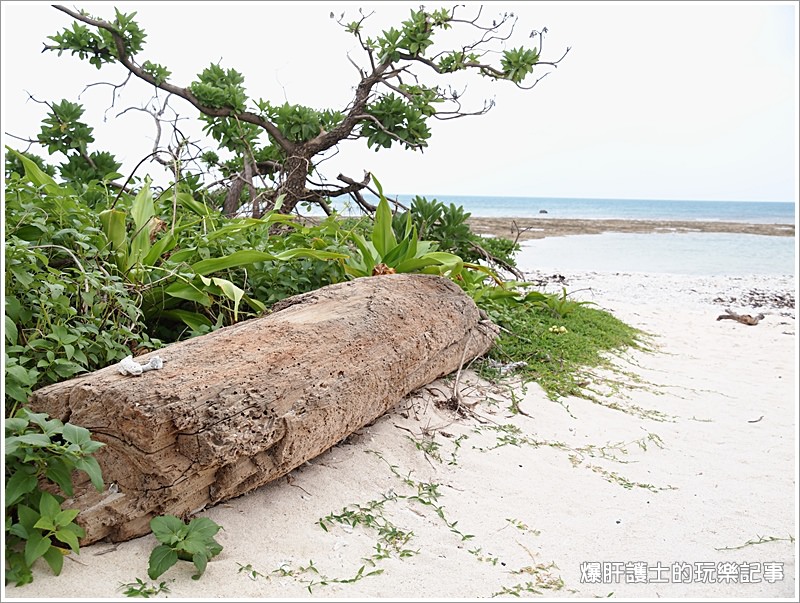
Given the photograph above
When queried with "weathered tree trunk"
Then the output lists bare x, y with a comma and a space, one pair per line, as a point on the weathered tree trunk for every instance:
239, 407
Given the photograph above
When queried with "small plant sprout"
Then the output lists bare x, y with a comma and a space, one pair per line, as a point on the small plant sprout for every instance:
190, 542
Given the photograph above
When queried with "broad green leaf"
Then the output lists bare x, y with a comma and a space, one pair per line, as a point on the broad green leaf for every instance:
397, 254
193, 545
234, 260
49, 506
414, 264
382, 233
36, 547
193, 320
15, 425
168, 529
35, 439
313, 254
183, 255
451, 263
161, 559
249, 256
76, 434
188, 291
67, 537
142, 212
203, 528
200, 561
279, 203
65, 517
142, 208
230, 291
18, 486
34, 174
201, 209
75, 529
59, 472
55, 558
114, 227
367, 258
45, 523
11, 331
21, 374
27, 516
255, 304
90, 466
164, 244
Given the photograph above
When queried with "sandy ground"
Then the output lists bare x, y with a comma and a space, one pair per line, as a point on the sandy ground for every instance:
571, 499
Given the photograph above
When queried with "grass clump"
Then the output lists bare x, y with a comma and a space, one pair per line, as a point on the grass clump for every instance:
559, 348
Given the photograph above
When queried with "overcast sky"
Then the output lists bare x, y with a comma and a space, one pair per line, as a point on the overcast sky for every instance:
655, 101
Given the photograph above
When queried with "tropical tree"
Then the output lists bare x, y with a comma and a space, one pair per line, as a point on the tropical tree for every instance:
281, 143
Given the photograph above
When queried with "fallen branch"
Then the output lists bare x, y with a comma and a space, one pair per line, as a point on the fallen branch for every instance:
745, 319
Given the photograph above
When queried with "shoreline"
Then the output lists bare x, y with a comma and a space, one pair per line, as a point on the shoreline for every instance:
524, 229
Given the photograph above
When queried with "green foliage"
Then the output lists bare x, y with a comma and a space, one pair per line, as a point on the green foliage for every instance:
297, 122
14, 165
398, 121
65, 313
384, 254
99, 46
190, 542
62, 131
386, 109
558, 350
142, 589
447, 226
38, 451
217, 87
158, 72
518, 63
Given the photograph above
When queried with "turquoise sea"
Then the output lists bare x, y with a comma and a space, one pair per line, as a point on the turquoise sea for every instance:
676, 253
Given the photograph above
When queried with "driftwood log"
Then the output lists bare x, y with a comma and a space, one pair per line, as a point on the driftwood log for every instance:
745, 319
244, 405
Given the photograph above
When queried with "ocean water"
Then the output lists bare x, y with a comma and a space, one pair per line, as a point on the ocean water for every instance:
623, 209
692, 253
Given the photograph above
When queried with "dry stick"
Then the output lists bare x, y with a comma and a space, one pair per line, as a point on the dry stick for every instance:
456, 393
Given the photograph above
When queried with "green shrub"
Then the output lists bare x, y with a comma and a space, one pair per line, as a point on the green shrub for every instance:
40, 457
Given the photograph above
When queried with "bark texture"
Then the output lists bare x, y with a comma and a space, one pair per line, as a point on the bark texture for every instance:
242, 406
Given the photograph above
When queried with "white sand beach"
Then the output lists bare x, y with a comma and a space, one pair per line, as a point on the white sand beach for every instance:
569, 499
